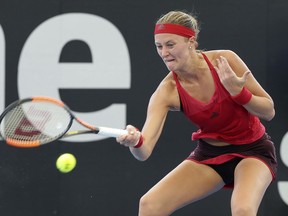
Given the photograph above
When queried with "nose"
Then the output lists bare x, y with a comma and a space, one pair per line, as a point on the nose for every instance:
164, 52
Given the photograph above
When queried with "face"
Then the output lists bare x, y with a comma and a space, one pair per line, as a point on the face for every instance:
173, 49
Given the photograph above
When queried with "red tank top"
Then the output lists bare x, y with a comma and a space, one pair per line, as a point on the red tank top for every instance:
221, 118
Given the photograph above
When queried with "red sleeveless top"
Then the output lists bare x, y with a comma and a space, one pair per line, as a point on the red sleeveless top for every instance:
221, 118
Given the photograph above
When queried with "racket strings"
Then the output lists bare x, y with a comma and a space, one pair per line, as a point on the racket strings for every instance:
34, 122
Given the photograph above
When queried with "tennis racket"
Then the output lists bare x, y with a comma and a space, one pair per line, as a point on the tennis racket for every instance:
32, 122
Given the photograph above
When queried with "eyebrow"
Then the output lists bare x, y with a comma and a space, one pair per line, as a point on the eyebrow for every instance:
169, 41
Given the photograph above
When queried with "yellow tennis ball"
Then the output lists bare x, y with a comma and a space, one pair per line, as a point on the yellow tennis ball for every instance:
66, 162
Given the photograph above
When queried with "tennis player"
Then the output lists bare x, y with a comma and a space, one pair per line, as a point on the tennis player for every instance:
218, 93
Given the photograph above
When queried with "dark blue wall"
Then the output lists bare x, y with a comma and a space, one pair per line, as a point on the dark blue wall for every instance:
107, 179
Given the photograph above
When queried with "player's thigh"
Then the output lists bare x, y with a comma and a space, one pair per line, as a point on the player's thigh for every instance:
187, 183
252, 177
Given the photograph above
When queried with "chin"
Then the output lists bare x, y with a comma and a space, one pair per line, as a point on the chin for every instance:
170, 67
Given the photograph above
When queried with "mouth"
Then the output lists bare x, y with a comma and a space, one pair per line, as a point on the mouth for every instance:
168, 60
170, 63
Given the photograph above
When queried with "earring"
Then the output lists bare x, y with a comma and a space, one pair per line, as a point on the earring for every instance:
190, 47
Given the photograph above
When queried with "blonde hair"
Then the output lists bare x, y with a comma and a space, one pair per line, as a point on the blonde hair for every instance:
180, 18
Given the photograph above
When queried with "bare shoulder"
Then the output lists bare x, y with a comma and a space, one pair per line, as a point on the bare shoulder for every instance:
168, 82
235, 62
215, 54
166, 92
167, 86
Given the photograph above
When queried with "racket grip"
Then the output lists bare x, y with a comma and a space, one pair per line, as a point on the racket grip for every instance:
111, 132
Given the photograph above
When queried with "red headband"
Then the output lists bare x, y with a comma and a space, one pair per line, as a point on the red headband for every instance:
174, 29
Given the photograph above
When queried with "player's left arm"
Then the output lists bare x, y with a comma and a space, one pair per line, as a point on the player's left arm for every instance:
234, 75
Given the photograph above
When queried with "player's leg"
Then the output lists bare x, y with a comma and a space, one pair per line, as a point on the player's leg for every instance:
187, 183
252, 177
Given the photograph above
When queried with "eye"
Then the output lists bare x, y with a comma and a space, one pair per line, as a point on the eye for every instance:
170, 45
159, 46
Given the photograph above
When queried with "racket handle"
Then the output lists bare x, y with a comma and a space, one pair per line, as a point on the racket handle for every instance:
111, 132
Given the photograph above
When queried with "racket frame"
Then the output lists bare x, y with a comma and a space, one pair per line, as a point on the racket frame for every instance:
91, 129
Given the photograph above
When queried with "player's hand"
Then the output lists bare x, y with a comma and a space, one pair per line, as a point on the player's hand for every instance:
232, 83
131, 138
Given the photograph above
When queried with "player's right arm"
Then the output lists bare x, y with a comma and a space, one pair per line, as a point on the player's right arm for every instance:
160, 103
156, 115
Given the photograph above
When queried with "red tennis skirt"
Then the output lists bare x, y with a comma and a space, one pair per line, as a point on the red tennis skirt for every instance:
224, 159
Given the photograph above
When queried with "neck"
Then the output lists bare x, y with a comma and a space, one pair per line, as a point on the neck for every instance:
194, 66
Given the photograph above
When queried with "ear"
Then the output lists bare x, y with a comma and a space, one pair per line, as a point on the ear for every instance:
193, 42
192, 39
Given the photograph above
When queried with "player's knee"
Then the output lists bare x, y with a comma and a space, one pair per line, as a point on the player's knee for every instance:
147, 207
243, 210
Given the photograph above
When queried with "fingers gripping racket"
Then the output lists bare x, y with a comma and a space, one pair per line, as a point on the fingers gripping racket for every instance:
35, 121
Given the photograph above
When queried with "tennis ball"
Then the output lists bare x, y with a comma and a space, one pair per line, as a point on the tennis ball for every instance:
66, 162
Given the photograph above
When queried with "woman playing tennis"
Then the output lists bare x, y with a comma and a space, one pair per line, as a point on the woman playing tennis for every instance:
218, 93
